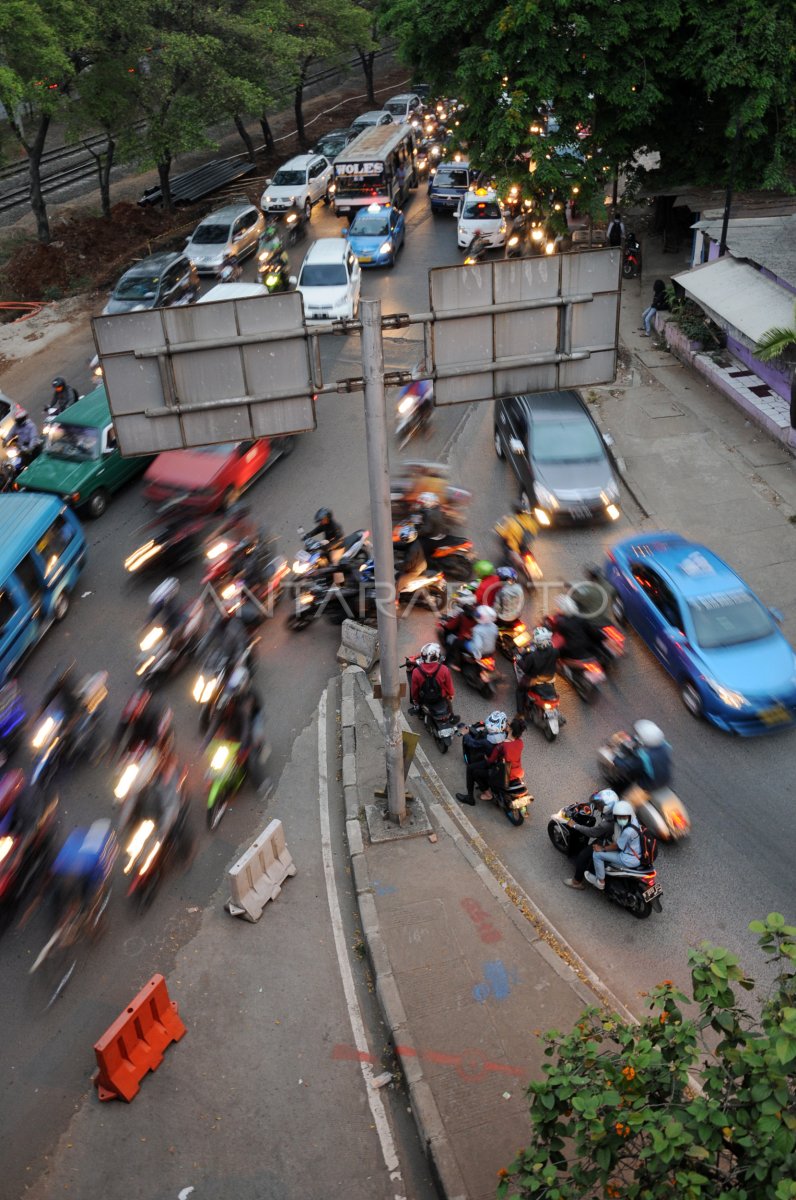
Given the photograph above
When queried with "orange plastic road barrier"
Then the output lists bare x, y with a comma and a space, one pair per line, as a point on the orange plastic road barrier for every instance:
135, 1042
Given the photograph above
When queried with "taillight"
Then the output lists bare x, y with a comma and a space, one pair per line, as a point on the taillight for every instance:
489, 663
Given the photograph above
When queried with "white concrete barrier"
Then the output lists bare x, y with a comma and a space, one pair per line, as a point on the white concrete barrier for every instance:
258, 875
359, 645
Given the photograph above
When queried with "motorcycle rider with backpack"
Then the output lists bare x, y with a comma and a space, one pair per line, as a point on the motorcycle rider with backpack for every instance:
603, 803
431, 679
623, 851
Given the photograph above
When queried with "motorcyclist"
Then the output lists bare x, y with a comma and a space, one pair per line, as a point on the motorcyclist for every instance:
484, 637
62, 687
457, 629
63, 395
603, 803
326, 526
482, 750
429, 517
227, 635
270, 246
538, 663
25, 434
510, 599
230, 268
82, 867
410, 561
517, 529
489, 582
144, 722
648, 761
423, 392
430, 666
581, 638
623, 851
238, 713
164, 605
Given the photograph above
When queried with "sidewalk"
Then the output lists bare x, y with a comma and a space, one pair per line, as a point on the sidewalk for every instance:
466, 972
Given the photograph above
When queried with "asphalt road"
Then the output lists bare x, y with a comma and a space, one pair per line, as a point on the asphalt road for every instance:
737, 866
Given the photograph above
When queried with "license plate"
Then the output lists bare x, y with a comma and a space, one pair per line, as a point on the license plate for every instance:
521, 640
366, 258
519, 802
446, 732
580, 512
777, 715
652, 892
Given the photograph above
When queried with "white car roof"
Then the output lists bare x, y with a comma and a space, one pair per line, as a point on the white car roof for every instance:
301, 161
329, 249
233, 291
372, 115
405, 96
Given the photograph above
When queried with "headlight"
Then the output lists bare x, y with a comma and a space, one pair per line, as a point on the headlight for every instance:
217, 550
300, 568
727, 695
219, 759
151, 639
544, 496
550, 248
385, 248
270, 280
43, 732
514, 240
264, 255
537, 235
407, 404
125, 783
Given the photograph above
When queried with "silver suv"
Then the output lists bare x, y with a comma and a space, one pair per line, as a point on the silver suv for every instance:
302, 181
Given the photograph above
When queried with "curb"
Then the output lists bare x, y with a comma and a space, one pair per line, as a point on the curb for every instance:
424, 1107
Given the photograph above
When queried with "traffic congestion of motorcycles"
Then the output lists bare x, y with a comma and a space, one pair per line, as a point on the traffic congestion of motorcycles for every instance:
210, 640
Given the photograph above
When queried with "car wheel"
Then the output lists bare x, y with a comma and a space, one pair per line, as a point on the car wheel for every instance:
97, 504
61, 606
691, 699
307, 209
498, 444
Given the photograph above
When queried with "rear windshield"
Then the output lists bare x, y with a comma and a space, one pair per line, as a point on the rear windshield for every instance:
323, 275
211, 235
396, 108
290, 178
78, 443
729, 620
451, 178
566, 441
481, 210
137, 287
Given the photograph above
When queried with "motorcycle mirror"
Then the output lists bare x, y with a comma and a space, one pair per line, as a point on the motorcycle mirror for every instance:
516, 446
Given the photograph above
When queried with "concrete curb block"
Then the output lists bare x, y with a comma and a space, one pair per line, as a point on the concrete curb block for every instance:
424, 1107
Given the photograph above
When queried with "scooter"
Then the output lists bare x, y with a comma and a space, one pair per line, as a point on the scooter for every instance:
452, 554
438, 718
524, 563
414, 410
56, 741
26, 845
233, 582
661, 810
12, 719
315, 557
478, 673
637, 889
295, 225
154, 845
514, 799
161, 651
585, 674
513, 638
631, 259
540, 703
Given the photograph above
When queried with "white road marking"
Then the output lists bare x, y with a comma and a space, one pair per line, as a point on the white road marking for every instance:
388, 1150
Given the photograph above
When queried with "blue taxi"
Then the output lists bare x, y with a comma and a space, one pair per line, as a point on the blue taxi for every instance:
376, 234
707, 627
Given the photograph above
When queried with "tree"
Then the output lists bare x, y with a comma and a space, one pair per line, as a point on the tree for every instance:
324, 29
781, 343
367, 51
654, 1111
40, 43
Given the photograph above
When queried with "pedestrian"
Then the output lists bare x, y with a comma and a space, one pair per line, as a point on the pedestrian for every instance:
615, 234
659, 303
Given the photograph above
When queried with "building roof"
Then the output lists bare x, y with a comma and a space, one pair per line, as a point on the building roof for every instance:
768, 241
737, 295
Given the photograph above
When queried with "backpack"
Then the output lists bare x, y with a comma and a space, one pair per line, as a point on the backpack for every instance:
430, 692
615, 234
648, 846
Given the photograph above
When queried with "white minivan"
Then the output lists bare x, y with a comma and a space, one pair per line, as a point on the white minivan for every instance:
330, 280
302, 181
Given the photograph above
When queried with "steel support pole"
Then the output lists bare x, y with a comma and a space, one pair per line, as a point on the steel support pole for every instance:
381, 516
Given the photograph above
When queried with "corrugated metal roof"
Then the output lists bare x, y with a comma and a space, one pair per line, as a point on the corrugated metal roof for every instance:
768, 241
737, 295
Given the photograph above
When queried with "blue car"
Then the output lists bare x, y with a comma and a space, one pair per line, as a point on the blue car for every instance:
376, 234
713, 635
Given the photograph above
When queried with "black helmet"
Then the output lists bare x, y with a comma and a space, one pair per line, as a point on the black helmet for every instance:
322, 516
59, 384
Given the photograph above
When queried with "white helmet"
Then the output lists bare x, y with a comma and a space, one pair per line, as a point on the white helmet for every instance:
605, 797
648, 734
542, 636
165, 591
623, 811
431, 652
496, 722
567, 606
238, 681
484, 614
428, 500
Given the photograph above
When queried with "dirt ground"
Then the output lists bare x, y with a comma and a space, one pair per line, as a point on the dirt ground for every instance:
88, 253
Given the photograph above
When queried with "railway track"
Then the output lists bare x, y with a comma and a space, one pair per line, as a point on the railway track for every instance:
74, 164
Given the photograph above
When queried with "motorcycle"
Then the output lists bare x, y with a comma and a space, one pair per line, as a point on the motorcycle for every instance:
661, 809
218, 665
476, 251
585, 674
635, 889
13, 461
154, 845
172, 544
57, 741
295, 225
631, 257
524, 563
452, 554
272, 272
414, 411
512, 799
315, 557
161, 651
12, 719
26, 847
438, 718
478, 673
226, 775
513, 638
234, 582
539, 703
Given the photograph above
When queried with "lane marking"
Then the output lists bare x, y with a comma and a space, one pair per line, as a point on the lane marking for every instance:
378, 1111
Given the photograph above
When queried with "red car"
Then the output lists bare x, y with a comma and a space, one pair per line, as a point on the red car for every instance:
212, 477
